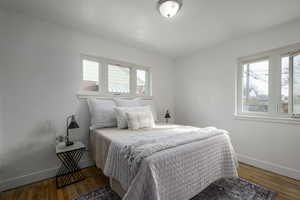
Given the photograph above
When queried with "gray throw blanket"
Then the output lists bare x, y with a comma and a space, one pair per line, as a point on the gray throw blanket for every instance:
138, 150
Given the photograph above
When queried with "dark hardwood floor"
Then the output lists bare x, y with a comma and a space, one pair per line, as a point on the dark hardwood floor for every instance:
287, 189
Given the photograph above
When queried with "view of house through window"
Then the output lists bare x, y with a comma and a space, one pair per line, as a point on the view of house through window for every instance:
255, 86
118, 79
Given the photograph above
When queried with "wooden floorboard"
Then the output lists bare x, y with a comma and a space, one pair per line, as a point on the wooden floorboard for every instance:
287, 188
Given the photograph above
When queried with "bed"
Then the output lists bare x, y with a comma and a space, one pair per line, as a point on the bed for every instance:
168, 162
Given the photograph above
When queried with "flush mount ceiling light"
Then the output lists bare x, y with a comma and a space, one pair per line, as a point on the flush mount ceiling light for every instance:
169, 8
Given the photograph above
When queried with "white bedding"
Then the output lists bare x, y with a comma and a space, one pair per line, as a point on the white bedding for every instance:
176, 173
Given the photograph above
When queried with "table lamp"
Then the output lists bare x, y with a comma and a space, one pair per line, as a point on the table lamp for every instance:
72, 125
167, 116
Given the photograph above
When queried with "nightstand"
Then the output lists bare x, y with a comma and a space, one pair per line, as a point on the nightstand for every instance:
69, 171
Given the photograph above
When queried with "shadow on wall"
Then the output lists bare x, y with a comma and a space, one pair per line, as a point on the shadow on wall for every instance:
36, 152
32, 154
83, 117
82, 134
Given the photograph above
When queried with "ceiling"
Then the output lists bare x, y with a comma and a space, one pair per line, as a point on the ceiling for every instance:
200, 23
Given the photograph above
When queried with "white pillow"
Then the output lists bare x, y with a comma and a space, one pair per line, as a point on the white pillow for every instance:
121, 114
138, 120
127, 102
150, 102
102, 113
137, 102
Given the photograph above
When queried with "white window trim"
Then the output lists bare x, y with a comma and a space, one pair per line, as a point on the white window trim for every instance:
274, 87
103, 76
270, 119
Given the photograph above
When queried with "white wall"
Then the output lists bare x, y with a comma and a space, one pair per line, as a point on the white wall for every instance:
40, 75
205, 96
1, 119
40, 70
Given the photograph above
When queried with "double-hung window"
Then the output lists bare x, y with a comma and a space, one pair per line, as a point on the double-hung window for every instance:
268, 84
101, 76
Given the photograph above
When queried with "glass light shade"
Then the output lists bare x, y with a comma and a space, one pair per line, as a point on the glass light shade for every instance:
169, 8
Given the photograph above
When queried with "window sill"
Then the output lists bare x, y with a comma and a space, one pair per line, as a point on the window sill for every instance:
268, 119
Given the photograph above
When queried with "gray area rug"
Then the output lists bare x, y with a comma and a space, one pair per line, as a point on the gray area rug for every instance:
223, 189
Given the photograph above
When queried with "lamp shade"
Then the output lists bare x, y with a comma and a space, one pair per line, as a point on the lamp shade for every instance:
73, 124
167, 115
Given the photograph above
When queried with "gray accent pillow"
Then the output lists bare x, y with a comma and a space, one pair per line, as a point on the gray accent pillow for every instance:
102, 113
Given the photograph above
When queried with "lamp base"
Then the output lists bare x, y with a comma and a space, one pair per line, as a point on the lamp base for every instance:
69, 143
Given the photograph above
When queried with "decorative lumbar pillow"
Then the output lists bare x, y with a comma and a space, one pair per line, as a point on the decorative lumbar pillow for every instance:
102, 113
138, 119
121, 114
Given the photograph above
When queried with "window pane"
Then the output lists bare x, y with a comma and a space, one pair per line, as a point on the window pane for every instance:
284, 101
255, 86
118, 79
296, 84
141, 82
90, 73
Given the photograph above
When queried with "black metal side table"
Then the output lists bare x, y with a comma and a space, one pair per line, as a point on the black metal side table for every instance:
69, 171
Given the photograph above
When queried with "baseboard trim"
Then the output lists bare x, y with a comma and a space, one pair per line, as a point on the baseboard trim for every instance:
35, 176
278, 169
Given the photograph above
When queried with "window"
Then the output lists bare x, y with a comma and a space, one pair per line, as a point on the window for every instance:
268, 84
118, 79
142, 77
284, 101
296, 83
109, 77
90, 73
255, 86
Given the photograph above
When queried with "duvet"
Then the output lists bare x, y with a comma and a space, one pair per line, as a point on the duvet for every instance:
175, 164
